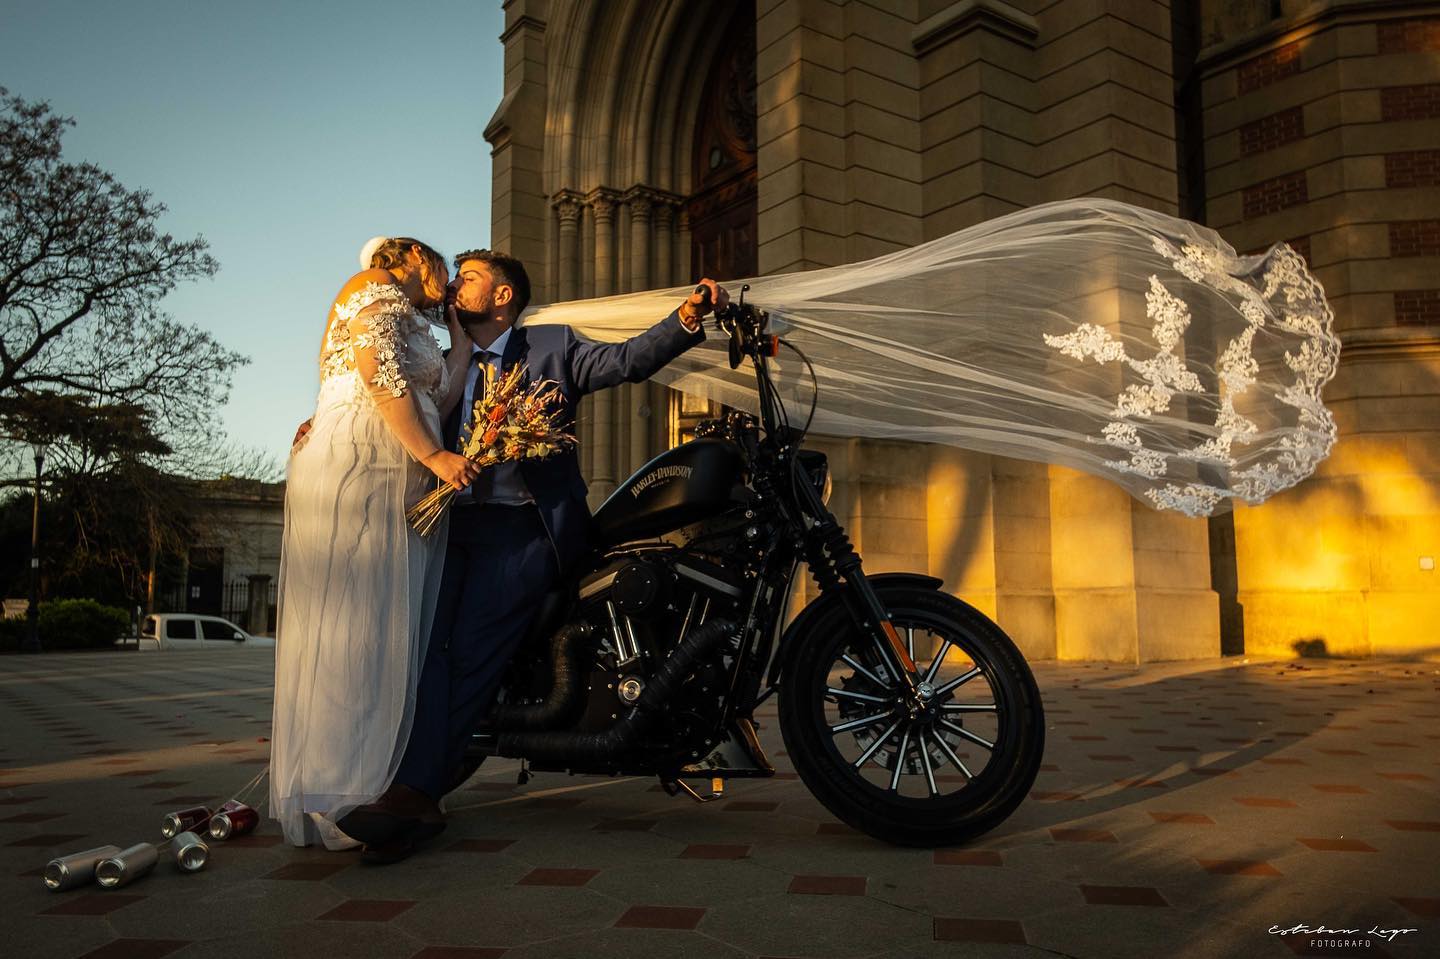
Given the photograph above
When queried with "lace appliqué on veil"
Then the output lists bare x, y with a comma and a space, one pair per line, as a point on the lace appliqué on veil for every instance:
1290, 300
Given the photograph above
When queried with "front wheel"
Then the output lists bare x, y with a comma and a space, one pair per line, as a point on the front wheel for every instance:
935, 776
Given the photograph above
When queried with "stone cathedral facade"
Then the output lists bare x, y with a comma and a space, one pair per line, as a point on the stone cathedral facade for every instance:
643, 143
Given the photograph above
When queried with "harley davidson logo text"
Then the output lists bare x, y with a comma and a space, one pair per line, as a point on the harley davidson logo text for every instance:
655, 476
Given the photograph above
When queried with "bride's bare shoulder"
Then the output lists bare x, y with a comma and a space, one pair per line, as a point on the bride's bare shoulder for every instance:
362, 280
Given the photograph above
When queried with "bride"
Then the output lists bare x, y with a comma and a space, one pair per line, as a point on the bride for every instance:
357, 585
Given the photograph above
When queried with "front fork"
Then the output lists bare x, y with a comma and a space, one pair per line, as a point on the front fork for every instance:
835, 565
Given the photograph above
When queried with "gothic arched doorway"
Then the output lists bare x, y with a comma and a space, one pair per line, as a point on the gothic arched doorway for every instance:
723, 206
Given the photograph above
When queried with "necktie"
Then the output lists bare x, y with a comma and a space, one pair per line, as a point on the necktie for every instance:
480, 489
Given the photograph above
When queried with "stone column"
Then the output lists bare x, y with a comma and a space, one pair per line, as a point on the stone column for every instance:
621, 253
567, 210
257, 614
568, 206
664, 217
638, 404
587, 251
681, 268
640, 202
602, 207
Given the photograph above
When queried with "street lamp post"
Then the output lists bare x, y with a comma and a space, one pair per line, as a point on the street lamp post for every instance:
32, 615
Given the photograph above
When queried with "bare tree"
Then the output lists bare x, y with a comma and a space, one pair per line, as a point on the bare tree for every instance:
83, 267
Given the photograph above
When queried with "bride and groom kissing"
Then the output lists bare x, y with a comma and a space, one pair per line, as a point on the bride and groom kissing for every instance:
390, 646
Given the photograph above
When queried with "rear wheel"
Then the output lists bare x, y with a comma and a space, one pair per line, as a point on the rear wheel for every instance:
935, 776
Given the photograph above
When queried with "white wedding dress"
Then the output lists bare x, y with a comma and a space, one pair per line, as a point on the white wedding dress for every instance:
357, 585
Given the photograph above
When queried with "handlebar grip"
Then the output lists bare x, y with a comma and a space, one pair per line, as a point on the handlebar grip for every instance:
704, 292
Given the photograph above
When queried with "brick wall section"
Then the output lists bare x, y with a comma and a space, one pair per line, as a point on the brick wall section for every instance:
1274, 194
1410, 103
1269, 67
1417, 307
1415, 238
1416, 168
1267, 133
1410, 36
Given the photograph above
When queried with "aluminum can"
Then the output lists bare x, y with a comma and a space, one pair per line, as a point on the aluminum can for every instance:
127, 865
183, 820
237, 821
76, 869
191, 853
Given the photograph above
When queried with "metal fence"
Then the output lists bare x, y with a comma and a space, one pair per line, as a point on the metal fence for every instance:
235, 604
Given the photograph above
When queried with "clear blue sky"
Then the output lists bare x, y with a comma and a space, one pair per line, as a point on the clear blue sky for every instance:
286, 134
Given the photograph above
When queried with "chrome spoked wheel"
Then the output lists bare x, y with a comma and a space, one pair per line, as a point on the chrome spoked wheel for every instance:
934, 770
935, 750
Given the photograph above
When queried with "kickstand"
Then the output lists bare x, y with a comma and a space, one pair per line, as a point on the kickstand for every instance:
524, 776
675, 787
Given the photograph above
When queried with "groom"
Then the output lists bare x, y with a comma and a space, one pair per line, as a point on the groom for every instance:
512, 534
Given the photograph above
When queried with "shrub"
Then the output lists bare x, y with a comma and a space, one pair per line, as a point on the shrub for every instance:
81, 624
12, 634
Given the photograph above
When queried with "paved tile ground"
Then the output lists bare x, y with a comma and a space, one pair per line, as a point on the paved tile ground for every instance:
1182, 811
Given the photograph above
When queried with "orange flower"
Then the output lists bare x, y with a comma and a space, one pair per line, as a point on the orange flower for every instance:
490, 436
498, 413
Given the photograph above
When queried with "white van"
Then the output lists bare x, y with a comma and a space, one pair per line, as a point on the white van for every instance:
193, 631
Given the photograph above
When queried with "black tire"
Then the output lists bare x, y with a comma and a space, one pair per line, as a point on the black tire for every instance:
944, 818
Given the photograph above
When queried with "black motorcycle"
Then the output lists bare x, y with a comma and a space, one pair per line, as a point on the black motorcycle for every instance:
909, 714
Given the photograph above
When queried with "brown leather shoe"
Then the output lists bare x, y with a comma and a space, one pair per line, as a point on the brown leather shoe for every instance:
388, 852
399, 810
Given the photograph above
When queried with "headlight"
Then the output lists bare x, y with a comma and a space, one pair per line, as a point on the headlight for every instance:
817, 469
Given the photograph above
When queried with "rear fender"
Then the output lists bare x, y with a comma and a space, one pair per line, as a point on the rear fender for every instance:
826, 601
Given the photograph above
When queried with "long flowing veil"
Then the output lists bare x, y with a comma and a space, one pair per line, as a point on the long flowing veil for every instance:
1089, 333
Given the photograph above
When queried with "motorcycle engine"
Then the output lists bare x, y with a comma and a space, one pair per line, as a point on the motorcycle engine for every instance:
642, 603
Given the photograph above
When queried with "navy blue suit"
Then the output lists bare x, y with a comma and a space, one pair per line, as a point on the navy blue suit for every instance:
500, 560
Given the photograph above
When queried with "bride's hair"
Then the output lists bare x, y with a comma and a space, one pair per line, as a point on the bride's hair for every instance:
391, 254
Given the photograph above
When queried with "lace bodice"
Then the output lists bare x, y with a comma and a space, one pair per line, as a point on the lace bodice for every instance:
397, 352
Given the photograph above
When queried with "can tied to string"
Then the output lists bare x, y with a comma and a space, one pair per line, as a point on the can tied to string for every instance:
184, 820
233, 820
76, 869
127, 865
191, 853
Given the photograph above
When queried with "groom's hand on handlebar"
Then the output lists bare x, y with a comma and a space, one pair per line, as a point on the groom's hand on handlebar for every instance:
708, 295
452, 468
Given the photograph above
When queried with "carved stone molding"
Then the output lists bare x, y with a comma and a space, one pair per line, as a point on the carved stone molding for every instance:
964, 16
567, 204
649, 202
522, 23
1308, 21
602, 201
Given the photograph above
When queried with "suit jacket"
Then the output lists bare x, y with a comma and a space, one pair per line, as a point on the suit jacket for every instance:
554, 352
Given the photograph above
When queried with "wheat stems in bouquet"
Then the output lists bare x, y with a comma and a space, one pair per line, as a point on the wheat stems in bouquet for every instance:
509, 422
